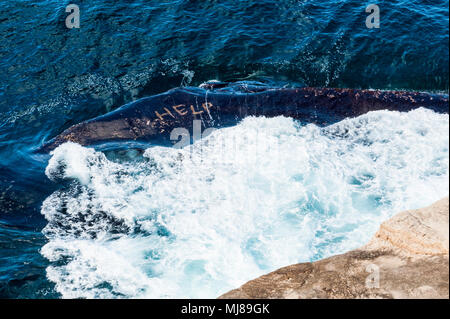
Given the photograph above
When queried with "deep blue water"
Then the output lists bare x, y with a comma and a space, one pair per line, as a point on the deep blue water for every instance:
52, 77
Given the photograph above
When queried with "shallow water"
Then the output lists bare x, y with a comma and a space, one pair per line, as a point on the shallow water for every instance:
204, 224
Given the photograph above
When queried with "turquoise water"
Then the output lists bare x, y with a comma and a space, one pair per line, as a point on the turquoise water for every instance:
53, 77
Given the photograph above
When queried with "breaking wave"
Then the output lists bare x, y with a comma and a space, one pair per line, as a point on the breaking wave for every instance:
198, 221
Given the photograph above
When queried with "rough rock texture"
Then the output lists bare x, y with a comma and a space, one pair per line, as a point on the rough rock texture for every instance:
152, 119
407, 258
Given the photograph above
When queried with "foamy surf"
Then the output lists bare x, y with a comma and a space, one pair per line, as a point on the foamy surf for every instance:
199, 221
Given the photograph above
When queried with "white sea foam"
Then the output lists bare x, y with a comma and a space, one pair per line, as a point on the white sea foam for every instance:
245, 200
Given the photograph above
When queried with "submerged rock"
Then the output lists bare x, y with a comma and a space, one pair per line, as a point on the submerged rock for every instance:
407, 258
158, 119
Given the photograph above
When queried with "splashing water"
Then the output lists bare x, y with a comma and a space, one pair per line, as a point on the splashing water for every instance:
246, 200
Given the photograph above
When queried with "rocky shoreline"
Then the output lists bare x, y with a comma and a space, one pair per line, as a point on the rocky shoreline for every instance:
407, 258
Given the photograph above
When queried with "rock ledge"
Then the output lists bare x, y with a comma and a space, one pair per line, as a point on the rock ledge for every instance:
407, 258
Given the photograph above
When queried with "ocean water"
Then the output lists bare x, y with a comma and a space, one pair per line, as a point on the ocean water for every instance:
246, 200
